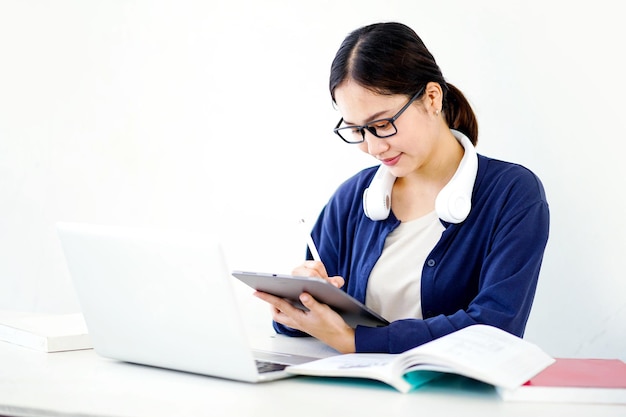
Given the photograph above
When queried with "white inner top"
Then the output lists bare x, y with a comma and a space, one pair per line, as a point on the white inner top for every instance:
394, 287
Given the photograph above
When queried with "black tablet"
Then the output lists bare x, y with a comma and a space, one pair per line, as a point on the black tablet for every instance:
290, 287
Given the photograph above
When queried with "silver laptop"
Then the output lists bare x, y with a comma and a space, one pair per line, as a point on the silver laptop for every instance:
165, 299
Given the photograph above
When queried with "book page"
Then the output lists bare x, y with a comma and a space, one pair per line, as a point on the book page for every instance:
485, 353
342, 364
376, 366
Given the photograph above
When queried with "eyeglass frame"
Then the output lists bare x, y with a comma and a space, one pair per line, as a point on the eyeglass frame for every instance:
372, 129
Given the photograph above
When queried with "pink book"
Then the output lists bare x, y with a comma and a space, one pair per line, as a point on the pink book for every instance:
575, 380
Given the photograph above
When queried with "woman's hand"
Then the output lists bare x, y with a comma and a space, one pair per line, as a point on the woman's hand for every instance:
320, 321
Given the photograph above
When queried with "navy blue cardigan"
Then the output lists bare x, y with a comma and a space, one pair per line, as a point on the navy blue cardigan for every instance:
483, 270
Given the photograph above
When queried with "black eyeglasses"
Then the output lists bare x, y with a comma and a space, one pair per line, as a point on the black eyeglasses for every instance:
381, 128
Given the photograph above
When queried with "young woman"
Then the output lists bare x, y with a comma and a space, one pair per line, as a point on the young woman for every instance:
464, 239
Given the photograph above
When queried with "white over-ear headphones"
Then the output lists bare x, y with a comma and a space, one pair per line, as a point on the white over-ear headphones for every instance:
454, 201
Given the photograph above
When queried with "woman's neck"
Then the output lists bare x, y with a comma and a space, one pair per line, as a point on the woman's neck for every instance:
414, 195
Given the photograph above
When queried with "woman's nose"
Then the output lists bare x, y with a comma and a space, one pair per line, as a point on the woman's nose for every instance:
375, 145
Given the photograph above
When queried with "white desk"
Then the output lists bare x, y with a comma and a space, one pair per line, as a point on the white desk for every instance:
81, 383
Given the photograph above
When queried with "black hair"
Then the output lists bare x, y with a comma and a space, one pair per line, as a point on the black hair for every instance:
390, 58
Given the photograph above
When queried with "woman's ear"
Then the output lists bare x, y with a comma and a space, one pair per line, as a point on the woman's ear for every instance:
433, 98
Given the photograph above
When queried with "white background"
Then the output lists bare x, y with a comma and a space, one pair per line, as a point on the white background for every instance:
215, 116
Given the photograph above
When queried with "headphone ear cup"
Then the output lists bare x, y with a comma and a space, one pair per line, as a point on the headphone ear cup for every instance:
377, 197
452, 208
454, 201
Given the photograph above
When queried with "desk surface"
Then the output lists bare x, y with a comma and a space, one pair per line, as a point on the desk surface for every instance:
82, 383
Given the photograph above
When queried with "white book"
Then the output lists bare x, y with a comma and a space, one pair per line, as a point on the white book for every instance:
45, 332
481, 352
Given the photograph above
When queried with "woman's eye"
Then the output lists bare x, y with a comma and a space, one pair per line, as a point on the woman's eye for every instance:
382, 125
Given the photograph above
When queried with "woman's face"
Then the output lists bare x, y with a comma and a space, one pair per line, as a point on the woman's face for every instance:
411, 147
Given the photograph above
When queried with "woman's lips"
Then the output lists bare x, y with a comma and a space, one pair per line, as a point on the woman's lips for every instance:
391, 161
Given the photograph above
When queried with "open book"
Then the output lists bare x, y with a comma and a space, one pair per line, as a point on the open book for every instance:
481, 352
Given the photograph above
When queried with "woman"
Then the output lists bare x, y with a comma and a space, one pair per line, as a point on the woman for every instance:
465, 237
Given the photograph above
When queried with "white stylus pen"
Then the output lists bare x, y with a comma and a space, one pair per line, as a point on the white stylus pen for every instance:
309, 241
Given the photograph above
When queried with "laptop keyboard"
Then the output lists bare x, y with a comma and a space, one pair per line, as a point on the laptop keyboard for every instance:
264, 366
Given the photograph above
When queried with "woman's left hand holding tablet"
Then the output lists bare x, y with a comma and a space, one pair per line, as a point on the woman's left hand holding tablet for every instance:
320, 321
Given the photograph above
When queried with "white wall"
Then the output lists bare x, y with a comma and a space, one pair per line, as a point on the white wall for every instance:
216, 116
